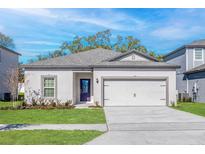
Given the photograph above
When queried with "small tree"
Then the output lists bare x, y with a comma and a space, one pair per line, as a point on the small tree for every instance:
6, 41
12, 81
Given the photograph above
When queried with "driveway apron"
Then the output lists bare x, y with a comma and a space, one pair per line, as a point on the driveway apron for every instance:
151, 125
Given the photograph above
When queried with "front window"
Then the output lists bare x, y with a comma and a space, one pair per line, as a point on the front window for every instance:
198, 54
49, 87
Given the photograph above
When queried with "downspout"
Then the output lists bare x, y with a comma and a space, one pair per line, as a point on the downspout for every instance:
187, 65
187, 85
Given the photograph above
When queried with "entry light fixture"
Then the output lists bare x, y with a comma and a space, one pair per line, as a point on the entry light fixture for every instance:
97, 81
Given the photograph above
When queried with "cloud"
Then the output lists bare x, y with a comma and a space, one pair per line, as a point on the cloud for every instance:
28, 54
173, 32
179, 24
37, 51
36, 12
106, 18
1, 28
40, 43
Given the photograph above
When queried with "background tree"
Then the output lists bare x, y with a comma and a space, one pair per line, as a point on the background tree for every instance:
101, 39
152, 53
20, 73
12, 81
159, 57
6, 41
141, 49
132, 43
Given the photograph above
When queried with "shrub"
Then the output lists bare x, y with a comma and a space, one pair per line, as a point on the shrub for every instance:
21, 96
69, 103
24, 104
183, 99
34, 102
53, 104
96, 105
187, 99
42, 104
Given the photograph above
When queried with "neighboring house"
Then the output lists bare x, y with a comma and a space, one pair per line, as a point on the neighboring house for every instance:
191, 75
104, 76
8, 61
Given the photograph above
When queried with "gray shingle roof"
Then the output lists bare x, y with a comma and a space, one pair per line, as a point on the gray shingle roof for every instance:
198, 42
200, 68
93, 58
79, 59
139, 64
7, 49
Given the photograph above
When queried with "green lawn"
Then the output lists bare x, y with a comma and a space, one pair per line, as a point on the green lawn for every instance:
46, 137
195, 108
55, 116
5, 104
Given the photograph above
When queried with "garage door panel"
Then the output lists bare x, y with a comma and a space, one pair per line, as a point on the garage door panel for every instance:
134, 93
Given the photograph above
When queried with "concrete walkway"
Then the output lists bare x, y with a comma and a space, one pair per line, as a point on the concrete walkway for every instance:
151, 125
98, 127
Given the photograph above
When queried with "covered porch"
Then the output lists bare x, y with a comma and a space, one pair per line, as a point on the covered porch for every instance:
83, 88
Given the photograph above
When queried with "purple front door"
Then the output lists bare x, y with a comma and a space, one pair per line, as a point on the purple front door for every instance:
84, 89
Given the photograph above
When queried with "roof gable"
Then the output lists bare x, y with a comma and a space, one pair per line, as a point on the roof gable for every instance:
194, 44
133, 55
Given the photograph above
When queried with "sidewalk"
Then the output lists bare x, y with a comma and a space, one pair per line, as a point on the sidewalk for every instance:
97, 127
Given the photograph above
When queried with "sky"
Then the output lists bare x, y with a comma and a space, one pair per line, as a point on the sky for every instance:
39, 31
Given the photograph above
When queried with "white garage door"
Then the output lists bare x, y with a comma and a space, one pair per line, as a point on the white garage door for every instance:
134, 93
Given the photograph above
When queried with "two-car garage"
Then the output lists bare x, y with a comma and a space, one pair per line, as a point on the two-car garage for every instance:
135, 92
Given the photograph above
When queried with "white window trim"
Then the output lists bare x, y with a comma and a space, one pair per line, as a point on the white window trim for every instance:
55, 86
197, 59
202, 54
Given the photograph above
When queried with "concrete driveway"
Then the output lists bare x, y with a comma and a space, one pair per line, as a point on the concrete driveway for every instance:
151, 125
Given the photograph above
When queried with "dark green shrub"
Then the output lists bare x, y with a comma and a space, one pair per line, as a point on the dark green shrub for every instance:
183, 99
24, 104
21, 96
189, 99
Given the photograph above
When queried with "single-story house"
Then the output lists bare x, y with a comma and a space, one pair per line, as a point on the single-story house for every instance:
104, 76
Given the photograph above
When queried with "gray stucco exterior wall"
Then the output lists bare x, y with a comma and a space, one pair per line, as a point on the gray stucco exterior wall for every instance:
180, 59
185, 58
8, 61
